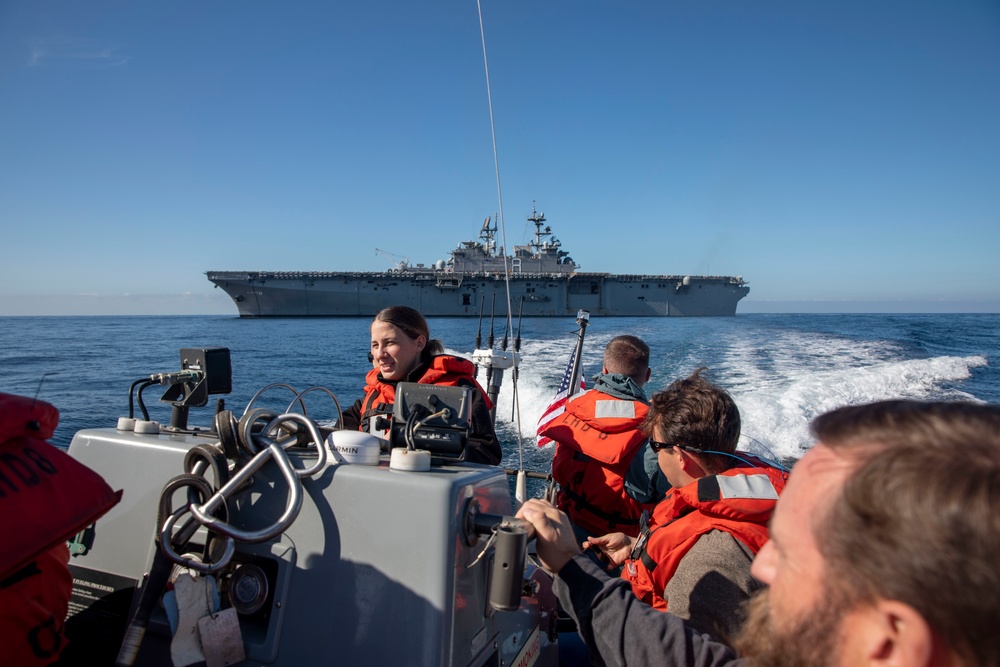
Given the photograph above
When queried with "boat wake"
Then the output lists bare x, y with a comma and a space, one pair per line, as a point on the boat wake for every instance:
780, 382
779, 416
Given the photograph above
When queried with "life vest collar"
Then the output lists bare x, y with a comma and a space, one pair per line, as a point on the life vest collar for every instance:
738, 501
443, 369
747, 491
606, 414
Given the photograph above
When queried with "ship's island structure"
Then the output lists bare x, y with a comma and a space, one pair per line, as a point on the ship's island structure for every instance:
544, 282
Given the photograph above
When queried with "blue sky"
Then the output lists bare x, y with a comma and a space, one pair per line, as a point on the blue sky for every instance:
841, 156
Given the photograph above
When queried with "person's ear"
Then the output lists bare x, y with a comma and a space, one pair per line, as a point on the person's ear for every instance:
683, 458
421, 341
893, 634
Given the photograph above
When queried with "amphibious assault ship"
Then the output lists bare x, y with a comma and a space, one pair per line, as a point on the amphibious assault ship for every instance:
544, 280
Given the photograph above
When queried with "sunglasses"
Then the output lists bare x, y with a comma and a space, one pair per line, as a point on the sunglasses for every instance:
656, 446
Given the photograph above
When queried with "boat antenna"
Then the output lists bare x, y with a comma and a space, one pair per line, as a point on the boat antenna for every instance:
517, 338
493, 309
517, 348
479, 333
489, 369
501, 223
34, 424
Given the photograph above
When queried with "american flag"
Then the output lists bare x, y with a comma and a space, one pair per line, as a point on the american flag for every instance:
558, 404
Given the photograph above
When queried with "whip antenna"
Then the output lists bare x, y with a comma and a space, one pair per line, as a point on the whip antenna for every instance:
503, 237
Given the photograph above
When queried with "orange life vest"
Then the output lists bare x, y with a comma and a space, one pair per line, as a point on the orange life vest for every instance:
443, 370
33, 606
739, 501
46, 496
596, 438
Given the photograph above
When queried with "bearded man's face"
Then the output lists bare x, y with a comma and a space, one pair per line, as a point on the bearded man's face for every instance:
799, 619
813, 639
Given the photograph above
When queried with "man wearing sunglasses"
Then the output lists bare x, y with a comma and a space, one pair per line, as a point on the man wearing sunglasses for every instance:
693, 557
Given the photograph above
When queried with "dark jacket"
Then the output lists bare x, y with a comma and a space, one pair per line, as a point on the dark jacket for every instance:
619, 629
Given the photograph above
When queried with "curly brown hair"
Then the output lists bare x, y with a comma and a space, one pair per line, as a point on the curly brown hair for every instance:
698, 415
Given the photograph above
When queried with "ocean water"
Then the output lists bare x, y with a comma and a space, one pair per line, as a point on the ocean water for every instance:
782, 370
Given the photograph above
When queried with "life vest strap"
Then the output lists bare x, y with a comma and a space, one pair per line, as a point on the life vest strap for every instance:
368, 412
647, 560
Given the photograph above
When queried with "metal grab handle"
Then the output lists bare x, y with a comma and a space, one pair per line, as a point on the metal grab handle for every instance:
246, 424
298, 397
203, 513
170, 517
275, 384
188, 560
253, 442
317, 439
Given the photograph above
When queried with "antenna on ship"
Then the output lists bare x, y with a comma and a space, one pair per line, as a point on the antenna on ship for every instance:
487, 234
538, 219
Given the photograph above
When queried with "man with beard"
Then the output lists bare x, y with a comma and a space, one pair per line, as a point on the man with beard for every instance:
883, 551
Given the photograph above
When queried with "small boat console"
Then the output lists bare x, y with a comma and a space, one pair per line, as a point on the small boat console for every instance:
306, 544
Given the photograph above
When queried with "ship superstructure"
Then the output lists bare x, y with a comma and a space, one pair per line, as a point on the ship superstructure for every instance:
542, 277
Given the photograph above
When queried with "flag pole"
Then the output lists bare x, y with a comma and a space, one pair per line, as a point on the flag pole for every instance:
570, 385
583, 319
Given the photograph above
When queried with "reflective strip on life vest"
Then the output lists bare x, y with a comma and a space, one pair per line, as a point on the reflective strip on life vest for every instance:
717, 487
615, 409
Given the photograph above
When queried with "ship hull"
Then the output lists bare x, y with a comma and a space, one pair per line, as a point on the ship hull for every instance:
322, 294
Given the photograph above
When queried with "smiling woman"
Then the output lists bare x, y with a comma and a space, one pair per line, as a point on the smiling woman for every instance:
403, 351
398, 339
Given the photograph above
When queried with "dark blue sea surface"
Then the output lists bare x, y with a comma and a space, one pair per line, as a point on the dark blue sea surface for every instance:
782, 369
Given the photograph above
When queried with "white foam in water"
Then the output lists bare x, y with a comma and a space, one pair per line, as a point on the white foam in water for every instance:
778, 416
780, 383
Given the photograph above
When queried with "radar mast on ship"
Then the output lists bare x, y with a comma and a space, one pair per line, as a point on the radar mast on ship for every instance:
545, 244
538, 219
488, 236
